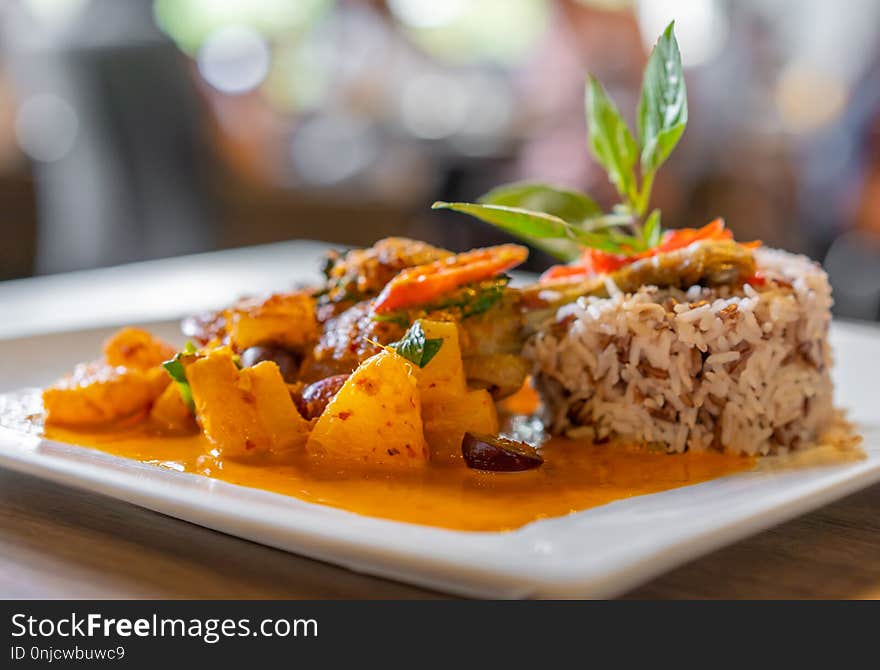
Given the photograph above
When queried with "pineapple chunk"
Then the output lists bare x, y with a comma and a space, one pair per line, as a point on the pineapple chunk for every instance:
449, 409
285, 319
443, 377
447, 421
97, 393
136, 349
245, 413
171, 414
375, 418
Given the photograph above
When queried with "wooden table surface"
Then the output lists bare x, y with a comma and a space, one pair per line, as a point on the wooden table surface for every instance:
58, 542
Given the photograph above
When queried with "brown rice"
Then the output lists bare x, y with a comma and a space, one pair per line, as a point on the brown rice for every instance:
741, 369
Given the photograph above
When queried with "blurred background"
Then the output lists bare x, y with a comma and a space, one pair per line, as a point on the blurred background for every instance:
139, 129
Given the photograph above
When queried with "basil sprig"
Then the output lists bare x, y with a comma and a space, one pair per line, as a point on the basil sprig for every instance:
563, 221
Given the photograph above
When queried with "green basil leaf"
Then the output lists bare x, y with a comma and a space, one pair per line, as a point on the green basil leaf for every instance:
541, 230
562, 249
604, 241
398, 317
470, 300
515, 220
415, 347
663, 110
532, 225
175, 369
431, 348
652, 232
572, 206
611, 141
177, 372
485, 301
478, 298
630, 242
187, 396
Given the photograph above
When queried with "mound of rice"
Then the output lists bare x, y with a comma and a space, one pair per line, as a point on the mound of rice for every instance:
740, 369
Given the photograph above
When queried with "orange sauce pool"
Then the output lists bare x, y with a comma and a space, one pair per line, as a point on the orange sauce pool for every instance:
575, 476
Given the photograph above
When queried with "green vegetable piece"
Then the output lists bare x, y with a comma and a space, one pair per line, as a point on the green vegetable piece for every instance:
483, 300
652, 231
571, 206
532, 225
415, 347
514, 220
401, 318
177, 372
611, 141
663, 110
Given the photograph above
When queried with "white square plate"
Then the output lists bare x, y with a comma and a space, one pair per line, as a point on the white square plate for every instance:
595, 553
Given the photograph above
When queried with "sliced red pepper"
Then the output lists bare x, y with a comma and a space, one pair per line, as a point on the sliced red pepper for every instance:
679, 239
757, 279
564, 272
424, 283
594, 261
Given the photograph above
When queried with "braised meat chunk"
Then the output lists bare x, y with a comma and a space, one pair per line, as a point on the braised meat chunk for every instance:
363, 273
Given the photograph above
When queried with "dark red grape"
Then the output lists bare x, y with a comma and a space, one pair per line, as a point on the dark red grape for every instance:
498, 454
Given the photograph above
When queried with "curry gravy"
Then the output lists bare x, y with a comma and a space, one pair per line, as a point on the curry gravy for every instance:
575, 476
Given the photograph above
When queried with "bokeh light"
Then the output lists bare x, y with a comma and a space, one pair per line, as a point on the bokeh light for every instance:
808, 99
701, 26
428, 13
234, 59
328, 149
46, 127
190, 22
433, 106
501, 31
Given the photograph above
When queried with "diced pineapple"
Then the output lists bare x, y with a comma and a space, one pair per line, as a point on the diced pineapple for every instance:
375, 418
447, 421
97, 393
171, 414
286, 319
449, 409
443, 376
245, 413
136, 349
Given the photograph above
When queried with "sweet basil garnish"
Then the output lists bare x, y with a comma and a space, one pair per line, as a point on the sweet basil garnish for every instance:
563, 221
416, 347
